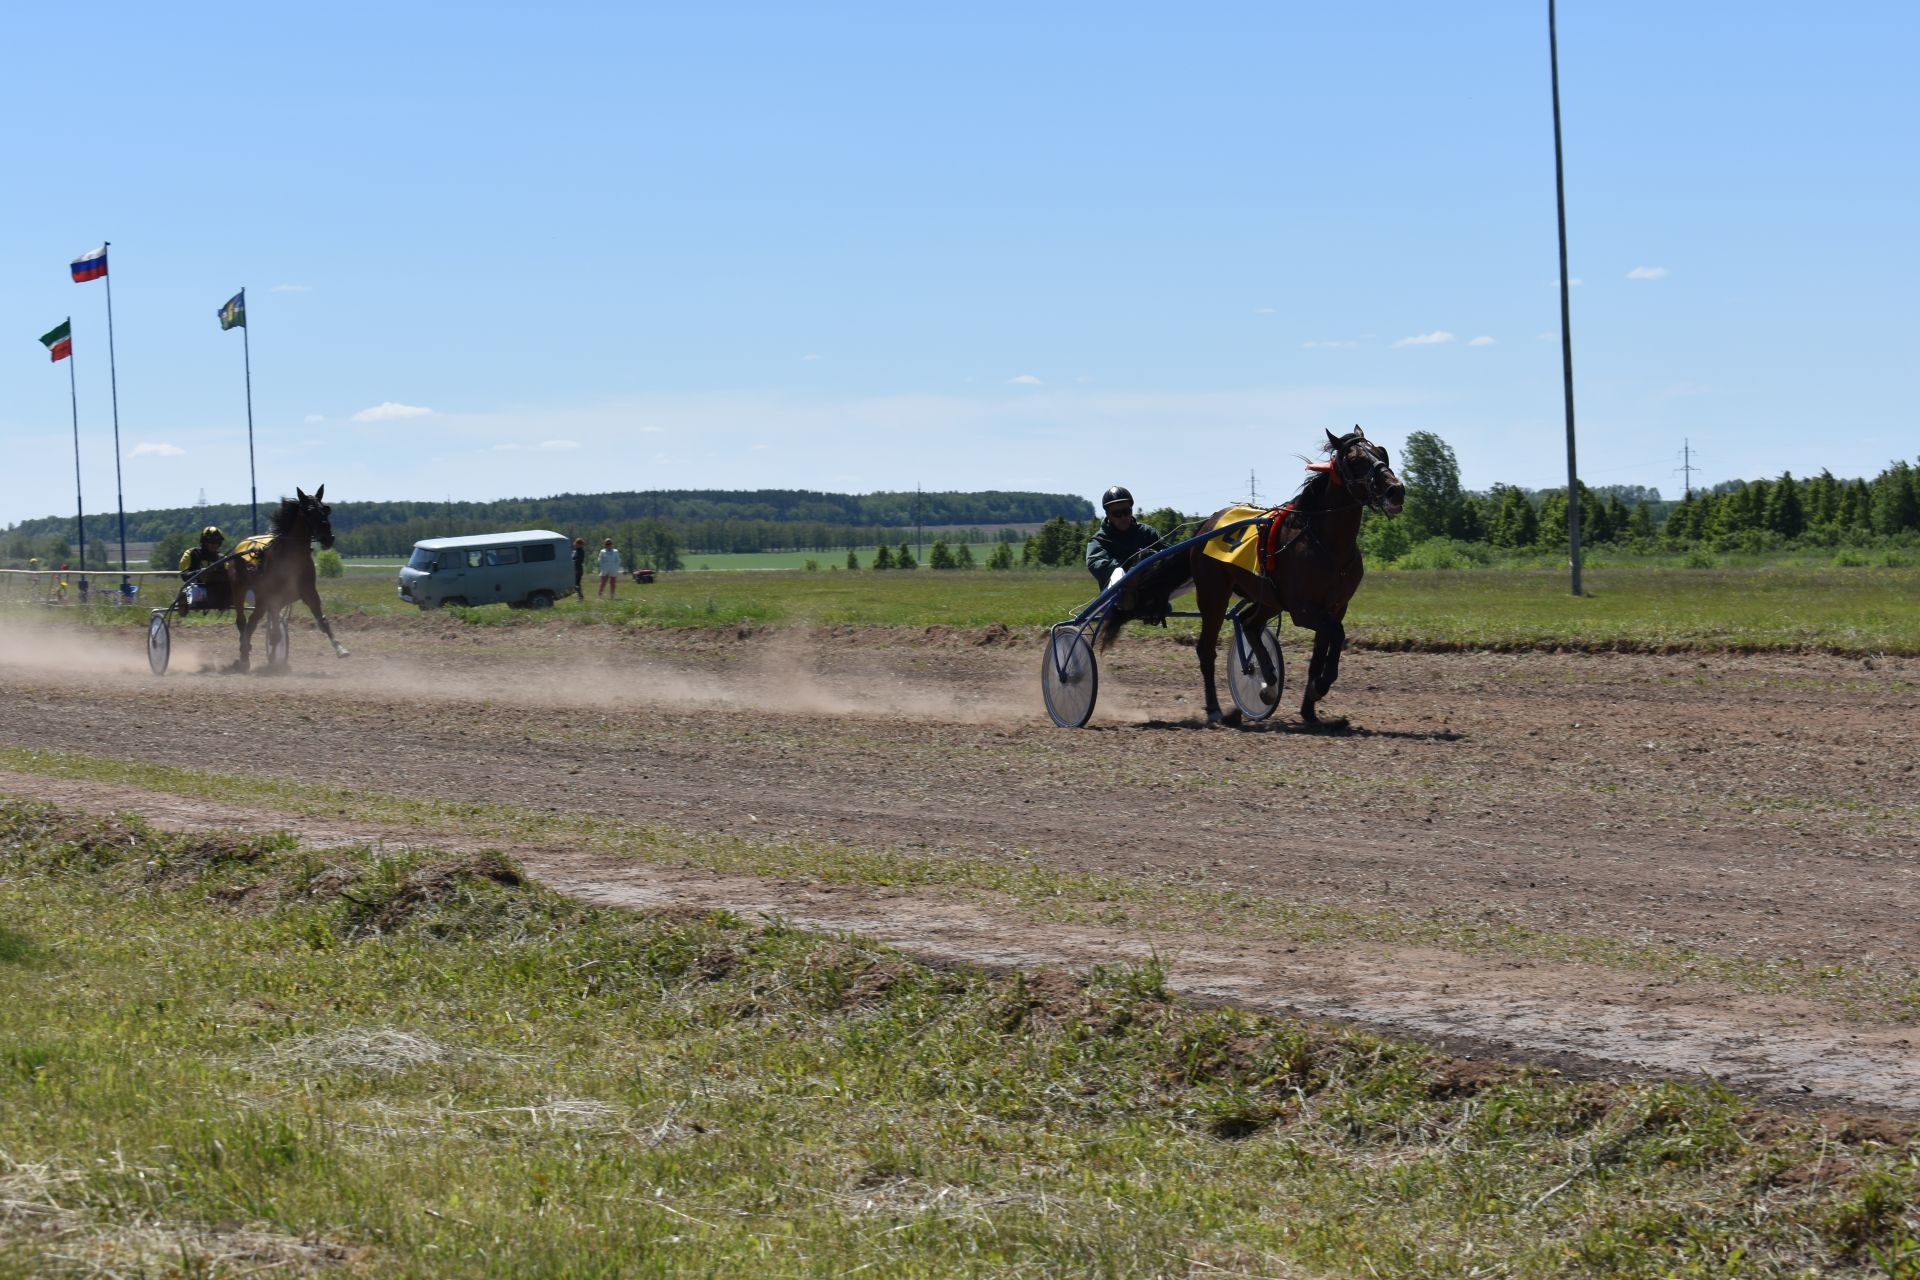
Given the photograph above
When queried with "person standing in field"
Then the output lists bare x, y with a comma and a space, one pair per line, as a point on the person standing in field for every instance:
609, 570
579, 565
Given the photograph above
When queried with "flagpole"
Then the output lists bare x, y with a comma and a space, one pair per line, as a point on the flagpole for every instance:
79, 506
113, 380
246, 350
1566, 303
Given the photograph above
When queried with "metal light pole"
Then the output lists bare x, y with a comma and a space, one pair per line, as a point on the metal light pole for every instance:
1566, 322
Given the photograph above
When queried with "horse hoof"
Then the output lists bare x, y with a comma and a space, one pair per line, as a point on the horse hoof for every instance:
341, 653
1270, 694
1231, 719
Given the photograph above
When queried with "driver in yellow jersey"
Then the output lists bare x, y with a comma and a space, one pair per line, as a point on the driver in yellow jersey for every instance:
211, 591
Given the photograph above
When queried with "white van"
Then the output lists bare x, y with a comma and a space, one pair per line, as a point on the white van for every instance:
525, 570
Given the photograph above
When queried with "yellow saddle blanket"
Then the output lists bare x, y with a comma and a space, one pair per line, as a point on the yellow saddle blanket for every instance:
1238, 547
251, 549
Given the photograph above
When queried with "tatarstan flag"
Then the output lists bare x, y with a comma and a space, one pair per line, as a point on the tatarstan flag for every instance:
59, 340
234, 314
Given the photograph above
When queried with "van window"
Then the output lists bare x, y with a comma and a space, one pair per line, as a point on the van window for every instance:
476, 559
535, 555
422, 559
503, 555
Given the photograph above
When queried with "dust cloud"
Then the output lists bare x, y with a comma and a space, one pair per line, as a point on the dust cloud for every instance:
779, 672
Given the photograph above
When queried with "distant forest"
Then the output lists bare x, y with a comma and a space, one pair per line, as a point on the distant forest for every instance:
693, 521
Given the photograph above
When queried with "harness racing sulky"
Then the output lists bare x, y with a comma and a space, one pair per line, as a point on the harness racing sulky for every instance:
1248, 566
265, 576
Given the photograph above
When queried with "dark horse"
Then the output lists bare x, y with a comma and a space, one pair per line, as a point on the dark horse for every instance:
277, 568
1310, 568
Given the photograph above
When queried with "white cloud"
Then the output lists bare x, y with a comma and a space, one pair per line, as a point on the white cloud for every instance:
506, 447
314, 417
652, 431
290, 288
1647, 273
1482, 341
811, 355
551, 445
1263, 311
1025, 380
149, 449
388, 411
1425, 339
1328, 342
1576, 282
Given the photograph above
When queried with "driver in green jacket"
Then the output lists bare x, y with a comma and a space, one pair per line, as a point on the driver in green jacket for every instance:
1119, 541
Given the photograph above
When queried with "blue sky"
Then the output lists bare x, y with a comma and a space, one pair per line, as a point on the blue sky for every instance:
534, 249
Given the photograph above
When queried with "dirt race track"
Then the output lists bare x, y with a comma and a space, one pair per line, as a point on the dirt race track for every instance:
1758, 811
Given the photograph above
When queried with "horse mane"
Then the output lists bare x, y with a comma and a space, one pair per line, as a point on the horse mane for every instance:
1314, 488
282, 518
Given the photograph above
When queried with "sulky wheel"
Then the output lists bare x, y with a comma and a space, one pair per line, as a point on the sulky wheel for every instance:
1069, 677
159, 641
1243, 670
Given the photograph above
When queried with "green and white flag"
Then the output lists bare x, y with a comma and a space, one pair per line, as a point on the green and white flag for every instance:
234, 314
60, 340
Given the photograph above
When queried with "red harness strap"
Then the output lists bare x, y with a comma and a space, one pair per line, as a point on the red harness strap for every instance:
1271, 546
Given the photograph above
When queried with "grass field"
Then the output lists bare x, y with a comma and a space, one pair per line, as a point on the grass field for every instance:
733, 562
411, 1063
1843, 610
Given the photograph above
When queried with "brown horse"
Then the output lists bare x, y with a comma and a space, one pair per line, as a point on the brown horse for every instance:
277, 568
1310, 574
1310, 568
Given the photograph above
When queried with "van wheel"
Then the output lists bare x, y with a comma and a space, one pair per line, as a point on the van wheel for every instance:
540, 600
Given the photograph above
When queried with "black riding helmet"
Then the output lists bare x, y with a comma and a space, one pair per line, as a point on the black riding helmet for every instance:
1118, 496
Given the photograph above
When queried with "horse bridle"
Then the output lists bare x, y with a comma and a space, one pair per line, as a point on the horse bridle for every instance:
1375, 498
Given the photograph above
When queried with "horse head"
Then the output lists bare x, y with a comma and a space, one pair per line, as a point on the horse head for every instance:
316, 515
1361, 466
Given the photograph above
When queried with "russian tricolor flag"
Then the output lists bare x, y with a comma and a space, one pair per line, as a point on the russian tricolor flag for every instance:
90, 266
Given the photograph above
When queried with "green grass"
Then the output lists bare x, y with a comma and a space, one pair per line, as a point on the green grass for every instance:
1778, 606
1042, 894
225, 1055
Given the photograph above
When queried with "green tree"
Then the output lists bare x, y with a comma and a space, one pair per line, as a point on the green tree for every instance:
963, 558
328, 564
1001, 557
940, 556
853, 559
1435, 502
1640, 523
883, 558
1617, 517
1384, 540
903, 558
1896, 501
1822, 495
1514, 522
1058, 543
1786, 514
166, 552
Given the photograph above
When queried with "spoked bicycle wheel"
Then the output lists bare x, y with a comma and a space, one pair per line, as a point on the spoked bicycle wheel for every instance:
1243, 670
159, 641
277, 638
1069, 677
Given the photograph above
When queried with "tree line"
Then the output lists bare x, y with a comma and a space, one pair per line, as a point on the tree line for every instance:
1735, 515
700, 520
1759, 515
